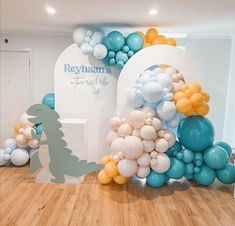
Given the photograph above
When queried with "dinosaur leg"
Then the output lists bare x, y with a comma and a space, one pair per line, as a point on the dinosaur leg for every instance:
56, 172
34, 163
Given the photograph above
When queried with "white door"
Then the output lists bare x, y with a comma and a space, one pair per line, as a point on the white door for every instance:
15, 90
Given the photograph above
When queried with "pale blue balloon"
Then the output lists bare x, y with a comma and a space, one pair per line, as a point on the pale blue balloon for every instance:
206, 176
135, 99
49, 100
152, 92
135, 42
114, 41
166, 110
216, 157
121, 56
226, 175
10, 143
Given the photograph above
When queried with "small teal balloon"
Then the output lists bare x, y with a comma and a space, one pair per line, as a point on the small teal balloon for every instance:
188, 155
130, 53
106, 61
135, 42
49, 100
121, 56
177, 169
216, 157
206, 176
189, 168
226, 146
188, 176
196, 133
125, 49
175, 148
226, 175
156, 180
198, 162
179, 155
196, 169
112, 61
111, 54
115, 41
39, 129
198, 156
120, 64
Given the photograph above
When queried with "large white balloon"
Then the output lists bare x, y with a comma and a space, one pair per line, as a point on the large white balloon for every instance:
165, 80
10, 143
97, 37
79, 35
4, 157
157, 124
163, 163
132, 147
136, 119
143, 172
127, 167
124, 130
19, 157
147, 132
148, 145
100, 51
166, 110
152, 92
144, 159
114, 123
24, 121
117, 145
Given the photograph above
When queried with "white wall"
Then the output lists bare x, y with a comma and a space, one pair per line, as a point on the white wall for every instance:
45, 51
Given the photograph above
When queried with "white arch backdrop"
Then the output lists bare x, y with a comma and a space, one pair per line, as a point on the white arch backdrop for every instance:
147, 57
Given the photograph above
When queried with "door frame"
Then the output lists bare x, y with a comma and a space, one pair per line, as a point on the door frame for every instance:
31, 74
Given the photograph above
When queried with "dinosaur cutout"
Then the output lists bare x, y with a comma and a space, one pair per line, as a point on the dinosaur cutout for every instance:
56, 157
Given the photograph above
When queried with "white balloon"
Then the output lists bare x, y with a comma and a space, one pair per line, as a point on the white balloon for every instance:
135, 99
27, 133
97, 37
136, 119
86, 48
147, 132
4, 157
132, 147
165, 80
157, 124
143, 172
136, 133
79, 35
112, 135
152, 92
148, 145
173, 123
24, 121
33, 143
124, 130
158, 71
153, 154
161, 145
166, 110
127, 167
114, 123
144, 159
10, 143
100, 51
117, 145
19, 157
153, 162
145, 77
163, 163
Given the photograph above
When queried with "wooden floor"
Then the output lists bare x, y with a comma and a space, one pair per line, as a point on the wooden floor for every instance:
24, 203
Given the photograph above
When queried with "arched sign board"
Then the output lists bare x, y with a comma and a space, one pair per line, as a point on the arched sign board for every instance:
147, 57
85, 98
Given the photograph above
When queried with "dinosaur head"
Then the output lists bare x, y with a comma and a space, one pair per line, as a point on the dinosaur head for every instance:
39, 113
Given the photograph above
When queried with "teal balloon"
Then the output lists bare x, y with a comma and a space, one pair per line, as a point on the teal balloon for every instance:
188, 155
106, 60
188, 176
196, 133
206, 176
189, 168
175, 148
49, 100
156, 180
135, 42
121, 56
226, 175
114, 41
198, 156
226, 146
216, 157
177, 169
39, 129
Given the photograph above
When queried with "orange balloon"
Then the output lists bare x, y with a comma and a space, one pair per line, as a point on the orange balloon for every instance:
159, 40
183, 105
146, 44
120, 179
111, 169
195, 87
164, 66
151, 35
202, 110
184, 87
103, 178
206, 96
179, 95
170, 41
17, 127
188, 93
189, 113
105, 160
196, 99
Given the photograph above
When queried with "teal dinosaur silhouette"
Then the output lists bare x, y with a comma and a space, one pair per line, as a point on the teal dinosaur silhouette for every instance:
62, 162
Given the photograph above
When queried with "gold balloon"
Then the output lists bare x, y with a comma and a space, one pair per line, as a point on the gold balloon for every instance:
120, 179
103, 178
111, 169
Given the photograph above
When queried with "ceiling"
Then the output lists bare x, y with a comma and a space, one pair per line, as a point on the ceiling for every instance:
174, 16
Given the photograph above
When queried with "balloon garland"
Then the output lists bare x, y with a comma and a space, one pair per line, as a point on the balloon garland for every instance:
19, 149
115, 48
145, 144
